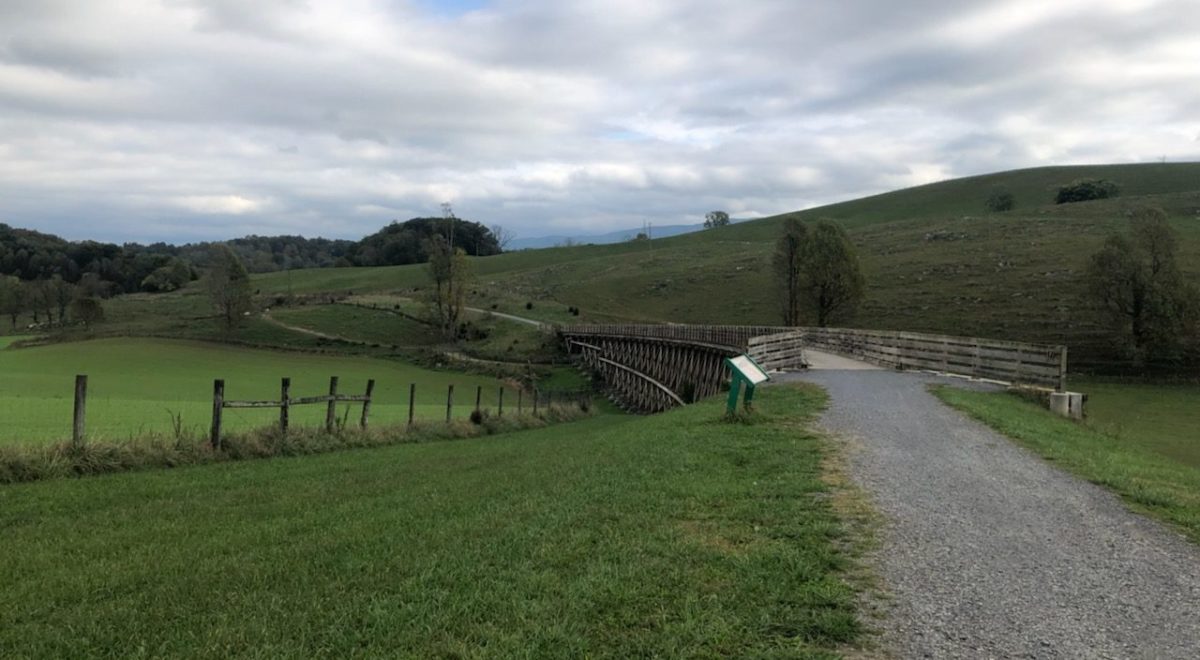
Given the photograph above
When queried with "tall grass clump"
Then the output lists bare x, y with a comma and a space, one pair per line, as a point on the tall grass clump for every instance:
64, 459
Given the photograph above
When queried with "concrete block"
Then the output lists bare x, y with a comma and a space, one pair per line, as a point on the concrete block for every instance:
1067, 404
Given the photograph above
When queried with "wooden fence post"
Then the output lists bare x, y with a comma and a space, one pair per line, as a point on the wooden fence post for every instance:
331, 408
449, 402
478, 396
218, 403
366, 412
80, 411
500, 407
1062, 369
412, 397
520, 397
536, 396
285, 403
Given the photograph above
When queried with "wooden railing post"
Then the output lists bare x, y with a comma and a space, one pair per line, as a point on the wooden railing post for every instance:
218, 404
1062, 369
478, 396
449, 402
366, 411
77, 426
412, 397
331, 408
520, 398
285, 404
500, 405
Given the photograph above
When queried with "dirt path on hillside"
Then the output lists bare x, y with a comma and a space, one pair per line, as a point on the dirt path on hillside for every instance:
988, 551
312, 333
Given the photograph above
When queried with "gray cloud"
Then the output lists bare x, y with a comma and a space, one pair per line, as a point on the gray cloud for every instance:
190, 119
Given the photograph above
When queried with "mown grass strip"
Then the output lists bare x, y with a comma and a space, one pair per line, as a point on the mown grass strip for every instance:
1146, 480
677, 535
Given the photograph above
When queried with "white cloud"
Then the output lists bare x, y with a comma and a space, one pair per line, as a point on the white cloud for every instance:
186, 119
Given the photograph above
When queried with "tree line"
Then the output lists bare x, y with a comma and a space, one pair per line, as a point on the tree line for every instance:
131, 267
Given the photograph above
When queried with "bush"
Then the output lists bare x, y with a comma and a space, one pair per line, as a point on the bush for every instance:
1083, 190
1001, 199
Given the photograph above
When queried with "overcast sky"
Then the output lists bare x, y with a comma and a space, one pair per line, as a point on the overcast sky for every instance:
181, 120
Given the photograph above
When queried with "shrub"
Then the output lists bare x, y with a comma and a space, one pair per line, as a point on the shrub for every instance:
1001, 199
1082, 190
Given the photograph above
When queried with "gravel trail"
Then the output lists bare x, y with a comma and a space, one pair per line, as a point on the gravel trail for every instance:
990, 552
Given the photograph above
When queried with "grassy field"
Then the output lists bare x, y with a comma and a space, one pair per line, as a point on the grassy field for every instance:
1135, 466
1162, 418
934, 261
135, 385
675, 536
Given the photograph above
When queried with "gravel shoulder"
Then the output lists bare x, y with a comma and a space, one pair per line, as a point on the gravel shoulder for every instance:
987, 551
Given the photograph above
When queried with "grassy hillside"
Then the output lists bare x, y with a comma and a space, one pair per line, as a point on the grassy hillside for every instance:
586, 540
934, 260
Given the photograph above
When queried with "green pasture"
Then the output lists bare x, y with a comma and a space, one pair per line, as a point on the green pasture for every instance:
1154, 470
1162, 418
136, 385
668, 536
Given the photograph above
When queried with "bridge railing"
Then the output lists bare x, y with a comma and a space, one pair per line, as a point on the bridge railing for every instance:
1041, 365
734, 337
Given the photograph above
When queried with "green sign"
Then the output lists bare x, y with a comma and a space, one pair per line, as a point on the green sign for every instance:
743, 370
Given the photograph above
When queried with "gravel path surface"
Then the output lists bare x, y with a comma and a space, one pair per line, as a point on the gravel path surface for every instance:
990, 552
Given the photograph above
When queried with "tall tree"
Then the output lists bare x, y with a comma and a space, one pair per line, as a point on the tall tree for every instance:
450, 274
1139, 289
833, 281
228, 286
11, 299
62, 292
788, 263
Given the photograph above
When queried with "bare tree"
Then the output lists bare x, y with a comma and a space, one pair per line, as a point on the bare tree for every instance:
503, 235
788, 263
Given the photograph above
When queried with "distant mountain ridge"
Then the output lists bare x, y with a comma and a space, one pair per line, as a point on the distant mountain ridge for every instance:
600, 239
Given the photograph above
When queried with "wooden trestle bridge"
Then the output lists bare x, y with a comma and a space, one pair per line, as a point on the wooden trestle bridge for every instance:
651, 368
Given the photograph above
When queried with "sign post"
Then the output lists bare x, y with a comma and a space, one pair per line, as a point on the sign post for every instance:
742, 369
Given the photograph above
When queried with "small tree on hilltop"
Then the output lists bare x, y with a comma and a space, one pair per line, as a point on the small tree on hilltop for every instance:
1139, 289
1001, 199
449, 273
228, 286
715, 219
788, 264
832, 280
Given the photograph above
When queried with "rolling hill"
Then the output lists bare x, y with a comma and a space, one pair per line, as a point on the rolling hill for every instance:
934, 260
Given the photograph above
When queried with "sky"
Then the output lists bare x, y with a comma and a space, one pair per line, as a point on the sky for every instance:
185, 120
